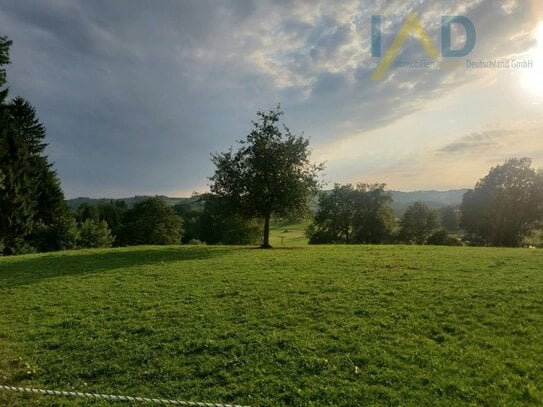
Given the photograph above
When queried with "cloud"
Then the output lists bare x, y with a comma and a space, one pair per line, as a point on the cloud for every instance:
135, 96
476, 142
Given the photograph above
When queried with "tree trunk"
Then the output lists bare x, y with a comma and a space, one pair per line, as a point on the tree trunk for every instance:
266, 240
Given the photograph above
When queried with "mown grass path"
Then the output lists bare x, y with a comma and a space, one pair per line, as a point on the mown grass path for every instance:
345, 325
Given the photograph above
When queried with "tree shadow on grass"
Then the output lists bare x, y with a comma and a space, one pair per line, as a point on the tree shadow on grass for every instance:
24, 270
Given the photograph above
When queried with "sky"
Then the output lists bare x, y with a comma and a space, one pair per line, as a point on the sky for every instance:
136, 95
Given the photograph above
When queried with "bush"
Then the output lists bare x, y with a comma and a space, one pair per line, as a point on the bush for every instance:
195, 242
63, 234
534, 239
442, 238
94, 234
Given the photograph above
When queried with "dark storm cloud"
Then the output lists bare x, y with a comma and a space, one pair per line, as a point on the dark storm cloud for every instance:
116, 96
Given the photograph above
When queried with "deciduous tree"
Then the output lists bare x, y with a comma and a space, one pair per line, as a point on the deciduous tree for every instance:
348, 214
418, 223
151, 222
505, 206
270, 174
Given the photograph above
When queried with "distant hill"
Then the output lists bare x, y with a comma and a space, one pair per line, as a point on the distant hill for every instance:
73, 204
434, 199
401, 200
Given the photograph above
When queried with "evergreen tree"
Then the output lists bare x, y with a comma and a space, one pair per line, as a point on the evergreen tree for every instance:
30, 197
4, 59
26, 123
17, 198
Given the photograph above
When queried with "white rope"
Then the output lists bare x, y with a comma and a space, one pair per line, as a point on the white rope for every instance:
112, 397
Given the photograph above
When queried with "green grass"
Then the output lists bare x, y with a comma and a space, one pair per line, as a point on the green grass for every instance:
288, 234
349, 325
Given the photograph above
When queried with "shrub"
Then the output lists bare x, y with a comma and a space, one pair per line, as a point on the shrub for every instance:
442, 238
94, 234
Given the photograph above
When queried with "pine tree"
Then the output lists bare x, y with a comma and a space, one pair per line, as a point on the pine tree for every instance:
30, 195
4, 59
17, 205
26, 123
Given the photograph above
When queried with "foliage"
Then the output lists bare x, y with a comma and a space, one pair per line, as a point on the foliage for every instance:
442, 238
534, 239
50, 198
212, 220
17, 203
100, 224
417, 223
5, 44
112, 213
94, 234
195, 242
327, 325
348, 214
191, 215
449, 218
26, 123
219, 224
31, 199
86, 212
505, 205
63, 234
151, 222
270, 174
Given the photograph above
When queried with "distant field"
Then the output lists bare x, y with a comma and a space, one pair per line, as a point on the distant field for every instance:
288, 234
349, 325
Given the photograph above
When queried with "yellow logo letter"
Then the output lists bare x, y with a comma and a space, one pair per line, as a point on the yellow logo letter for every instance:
411, 26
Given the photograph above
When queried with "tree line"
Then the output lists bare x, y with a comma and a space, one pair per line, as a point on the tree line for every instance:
362, 214
269, 176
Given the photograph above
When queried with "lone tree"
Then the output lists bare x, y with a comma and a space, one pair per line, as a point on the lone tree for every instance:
270, 174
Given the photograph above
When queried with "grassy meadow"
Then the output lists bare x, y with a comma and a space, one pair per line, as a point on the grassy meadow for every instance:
330, 325
288, 234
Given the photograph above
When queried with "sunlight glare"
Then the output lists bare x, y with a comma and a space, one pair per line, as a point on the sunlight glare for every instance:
532, 78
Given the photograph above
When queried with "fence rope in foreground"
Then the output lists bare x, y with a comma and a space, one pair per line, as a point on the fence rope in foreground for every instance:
112, 397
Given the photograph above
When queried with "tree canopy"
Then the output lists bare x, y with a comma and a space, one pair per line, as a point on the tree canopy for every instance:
418, 223
269, 175
151, 222
505, 206
31, 199
348, 214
